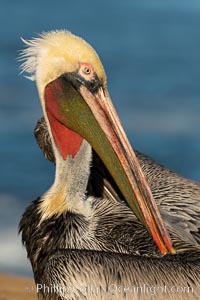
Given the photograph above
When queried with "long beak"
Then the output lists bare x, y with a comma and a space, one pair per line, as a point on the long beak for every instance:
93, 116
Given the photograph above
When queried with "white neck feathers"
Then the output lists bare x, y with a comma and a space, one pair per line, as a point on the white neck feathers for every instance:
68, 190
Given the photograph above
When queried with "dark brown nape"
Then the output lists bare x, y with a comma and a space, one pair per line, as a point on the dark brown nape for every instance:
43, 139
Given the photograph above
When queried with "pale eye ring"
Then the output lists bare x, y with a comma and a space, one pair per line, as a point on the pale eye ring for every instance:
87, 70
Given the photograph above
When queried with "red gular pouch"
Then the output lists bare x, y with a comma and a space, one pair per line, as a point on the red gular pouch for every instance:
67, 140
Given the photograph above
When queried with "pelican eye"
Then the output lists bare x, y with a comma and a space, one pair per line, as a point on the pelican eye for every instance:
87, 71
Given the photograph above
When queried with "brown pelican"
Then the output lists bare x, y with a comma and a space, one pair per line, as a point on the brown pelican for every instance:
81, 247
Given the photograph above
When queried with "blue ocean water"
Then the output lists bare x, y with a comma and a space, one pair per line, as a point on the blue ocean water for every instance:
151, 54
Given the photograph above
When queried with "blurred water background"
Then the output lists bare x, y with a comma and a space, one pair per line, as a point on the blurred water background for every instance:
151, 54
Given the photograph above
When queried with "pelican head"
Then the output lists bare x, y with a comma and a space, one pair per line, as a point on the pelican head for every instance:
72, 87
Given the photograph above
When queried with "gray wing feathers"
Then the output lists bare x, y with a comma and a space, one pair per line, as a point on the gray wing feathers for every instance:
178, 200
97, 275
